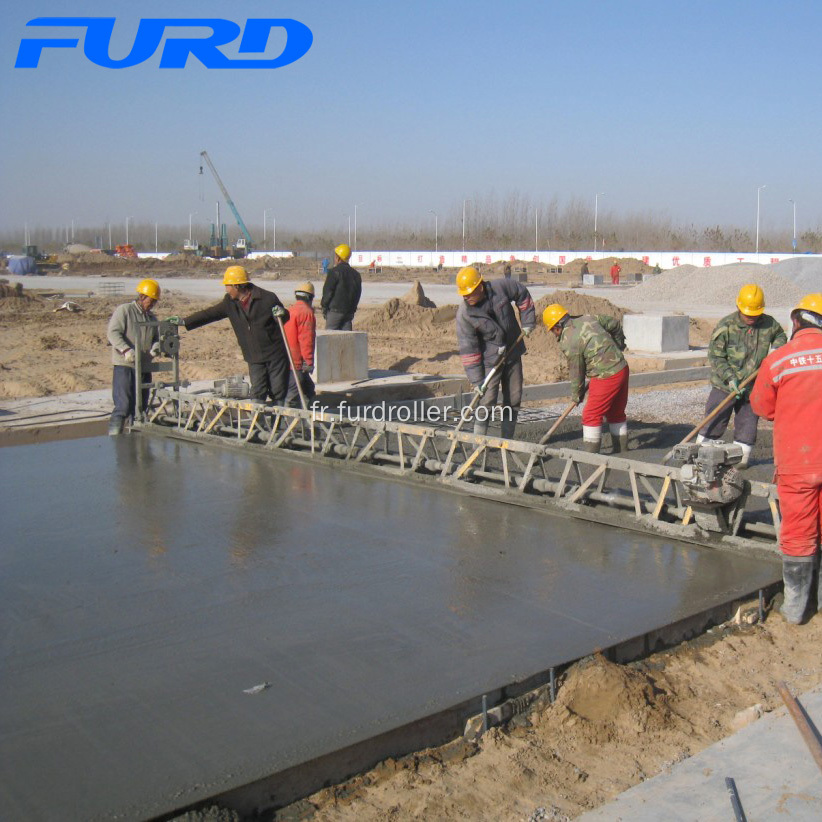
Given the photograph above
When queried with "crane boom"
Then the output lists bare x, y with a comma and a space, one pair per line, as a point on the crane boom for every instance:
227, 196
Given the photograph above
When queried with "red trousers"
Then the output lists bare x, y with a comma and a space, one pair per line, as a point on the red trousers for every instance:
607, 397
800, 503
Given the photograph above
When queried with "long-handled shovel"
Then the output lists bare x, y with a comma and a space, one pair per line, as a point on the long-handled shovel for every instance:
291, 363
557, 424
481, 388
724, 404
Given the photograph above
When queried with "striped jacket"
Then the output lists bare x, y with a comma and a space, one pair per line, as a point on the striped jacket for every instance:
483, 329
788, 390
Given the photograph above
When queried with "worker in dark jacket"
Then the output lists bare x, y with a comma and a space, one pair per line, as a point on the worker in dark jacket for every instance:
486, 328
253, 313
341, 292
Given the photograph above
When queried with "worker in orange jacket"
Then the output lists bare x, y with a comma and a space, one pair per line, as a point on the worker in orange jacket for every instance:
301, 333
788, 390
615, 269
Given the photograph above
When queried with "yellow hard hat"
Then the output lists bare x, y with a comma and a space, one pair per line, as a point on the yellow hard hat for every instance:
468, 280
305, 288
235, 275
751, 300
553, 314
149, 288
810, 302
343, 251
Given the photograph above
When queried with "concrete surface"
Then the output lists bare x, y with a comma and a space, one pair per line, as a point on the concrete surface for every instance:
657, 333
147, 584
775, 774
341, 356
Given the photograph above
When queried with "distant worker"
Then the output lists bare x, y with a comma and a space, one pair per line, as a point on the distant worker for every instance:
788, 390
594, 346
126, 335
584, 272
253, 314
341, 292
326, 263
739, 344
301, 332
486, 328
615, 269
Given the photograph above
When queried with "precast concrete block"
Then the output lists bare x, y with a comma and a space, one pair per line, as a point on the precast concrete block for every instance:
656, 332
593, 279
341, 356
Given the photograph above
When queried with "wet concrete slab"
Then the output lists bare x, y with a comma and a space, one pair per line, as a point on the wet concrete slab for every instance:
146, 584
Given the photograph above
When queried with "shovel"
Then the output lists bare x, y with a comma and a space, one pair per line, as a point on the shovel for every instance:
724, 404
291, 363
557, 424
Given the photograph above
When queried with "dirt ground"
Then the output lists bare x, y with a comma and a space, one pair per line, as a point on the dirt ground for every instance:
48, 350
611, 727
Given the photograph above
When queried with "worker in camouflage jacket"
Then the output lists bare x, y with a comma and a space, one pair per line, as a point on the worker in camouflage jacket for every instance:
739, 344
594, 346
487, 329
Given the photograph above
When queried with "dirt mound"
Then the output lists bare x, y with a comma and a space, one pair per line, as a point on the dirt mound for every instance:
629, 265
15, 294
416, 296
609, 700
577, 303
402, 317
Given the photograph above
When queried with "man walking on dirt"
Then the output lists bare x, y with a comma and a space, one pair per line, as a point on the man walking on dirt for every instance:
125, 334
788, 390
253, 313
341, 292
615, 269
594, 346
486, 329
739, 344
301, 333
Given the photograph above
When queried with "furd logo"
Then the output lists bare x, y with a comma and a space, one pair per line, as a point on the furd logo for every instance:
176, 50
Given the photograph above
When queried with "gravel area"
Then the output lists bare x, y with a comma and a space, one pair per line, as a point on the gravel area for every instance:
719, 285
806, 273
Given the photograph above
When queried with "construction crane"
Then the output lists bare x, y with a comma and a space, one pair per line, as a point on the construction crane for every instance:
244, 243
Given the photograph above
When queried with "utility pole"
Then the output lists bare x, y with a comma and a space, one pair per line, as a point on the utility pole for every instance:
757, 218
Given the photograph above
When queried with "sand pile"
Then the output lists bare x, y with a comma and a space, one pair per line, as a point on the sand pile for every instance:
416, 296
719, 284
805, 273
629, 265
577, 303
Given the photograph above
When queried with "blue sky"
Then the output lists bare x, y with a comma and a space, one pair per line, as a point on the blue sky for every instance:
675, 108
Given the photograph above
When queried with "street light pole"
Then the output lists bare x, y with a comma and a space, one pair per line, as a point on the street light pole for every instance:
436, 233
757, 217
463, 223
355, 226
349, 231
793, 203
596, 211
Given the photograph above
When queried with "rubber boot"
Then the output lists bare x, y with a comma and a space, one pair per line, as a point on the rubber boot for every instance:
115, 426
481, 427
797, 577
818, 582
746, 455
591, 446
619, 437
507, 427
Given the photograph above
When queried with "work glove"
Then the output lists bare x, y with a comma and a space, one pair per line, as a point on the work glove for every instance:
501, 351
278, 312
527, 330
175, 320
306, 368
128, 356
733, 384
155, 350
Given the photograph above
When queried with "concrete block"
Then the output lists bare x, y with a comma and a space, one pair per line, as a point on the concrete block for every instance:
341, 356
593, 279
656, 332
